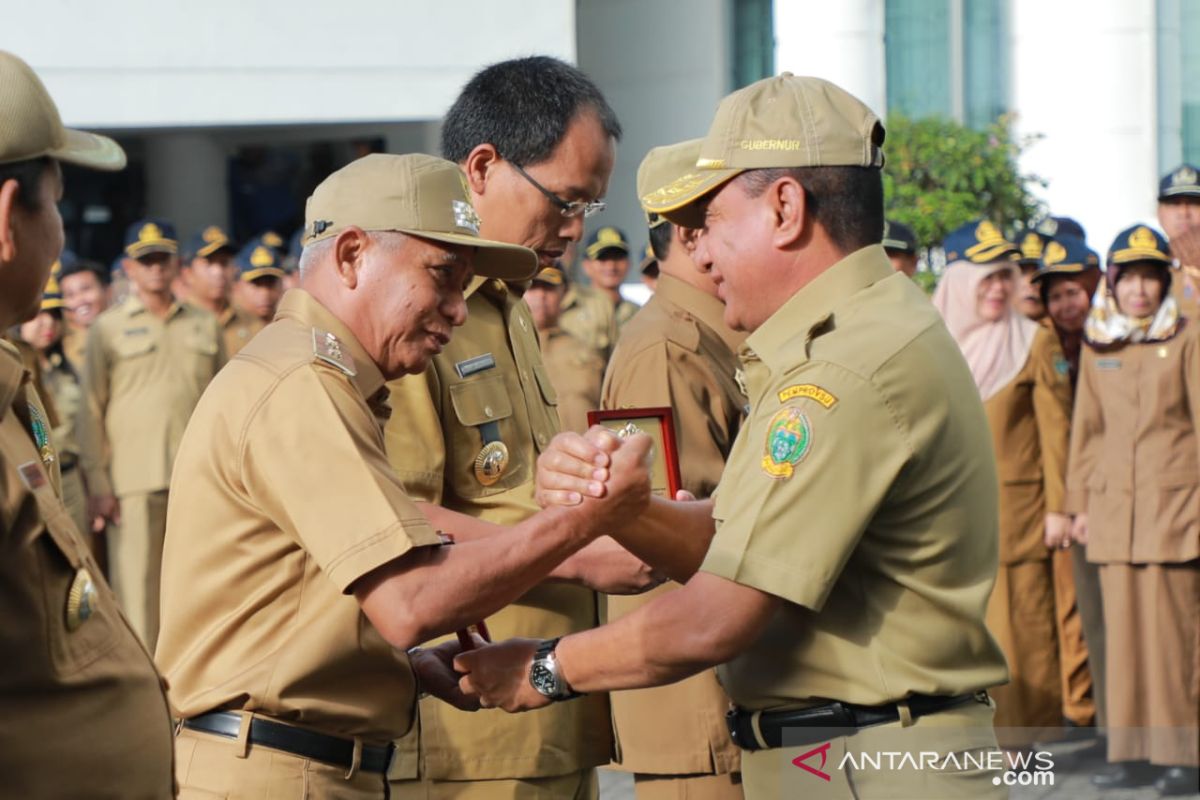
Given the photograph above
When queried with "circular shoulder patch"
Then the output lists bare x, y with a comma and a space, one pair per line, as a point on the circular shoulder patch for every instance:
789, 438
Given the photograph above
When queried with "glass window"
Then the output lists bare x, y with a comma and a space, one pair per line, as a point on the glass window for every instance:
753, 41
917, 50
1189, 47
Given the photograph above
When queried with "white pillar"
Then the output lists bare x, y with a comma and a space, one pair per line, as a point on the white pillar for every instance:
1085, 76
840, 41
187, 180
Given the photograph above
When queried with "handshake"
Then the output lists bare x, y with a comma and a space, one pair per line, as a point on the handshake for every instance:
606, 477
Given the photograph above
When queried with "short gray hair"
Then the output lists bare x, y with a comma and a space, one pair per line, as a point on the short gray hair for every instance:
316, 252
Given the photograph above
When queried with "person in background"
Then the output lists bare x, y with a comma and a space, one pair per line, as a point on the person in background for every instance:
84, 286
1028, 297
291, 277
1179, 212
649, 268
260, 281
900, 244
1024, 382
209, 273
148, 360
594, 314
1134, 485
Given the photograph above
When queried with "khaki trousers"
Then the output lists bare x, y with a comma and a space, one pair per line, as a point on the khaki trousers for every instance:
1020, 615
688, 787
135, 549
584, 785
771, 774
1152, 616
209, 767
1078, 706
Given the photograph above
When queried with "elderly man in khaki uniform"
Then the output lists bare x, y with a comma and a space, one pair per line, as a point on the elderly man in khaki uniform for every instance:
535, 140
575, 369
677, 351
855, 523
147, 362
84, 712
296, 570
595, 314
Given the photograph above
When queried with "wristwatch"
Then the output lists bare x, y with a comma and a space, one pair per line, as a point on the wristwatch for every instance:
545, 675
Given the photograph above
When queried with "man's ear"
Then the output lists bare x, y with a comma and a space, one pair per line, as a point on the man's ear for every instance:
348, 250
686, 238
8, 205
789, 204
478, 166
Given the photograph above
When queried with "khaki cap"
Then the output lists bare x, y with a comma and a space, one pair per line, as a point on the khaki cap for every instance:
415, 194
785, 121
30, 126
674, 166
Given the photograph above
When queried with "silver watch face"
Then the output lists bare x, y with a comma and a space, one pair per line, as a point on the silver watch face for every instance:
543, 679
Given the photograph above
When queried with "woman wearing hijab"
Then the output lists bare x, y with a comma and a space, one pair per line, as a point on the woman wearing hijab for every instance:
1022, 379
1134, 483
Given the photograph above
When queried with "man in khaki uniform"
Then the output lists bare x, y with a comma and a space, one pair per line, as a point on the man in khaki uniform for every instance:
84, 712
209, 272
855, 535
900, 244
84, 286
1178, 212
535, 140
576, 371
677, 351
594, 314
260, 281
148, 360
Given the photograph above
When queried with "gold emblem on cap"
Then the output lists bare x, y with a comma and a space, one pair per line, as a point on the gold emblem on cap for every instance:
987, 233
1143, 238
608, 236
261, 257
491, 463
1054, 254
1031, 245
212, 234
1184, 176
150, 233
81, 600
272, 239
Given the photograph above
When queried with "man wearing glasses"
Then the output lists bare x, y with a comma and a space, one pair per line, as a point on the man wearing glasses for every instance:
536, 143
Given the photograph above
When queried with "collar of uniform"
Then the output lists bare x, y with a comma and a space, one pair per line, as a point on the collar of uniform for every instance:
226, 316
774, 340
133, 305
12, 375
301, 306
701, 305
474, 286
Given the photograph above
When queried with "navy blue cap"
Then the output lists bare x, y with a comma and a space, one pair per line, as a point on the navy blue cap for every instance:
208, 241
1139, 243
1062, 226
1064, 255
979, 242
1183, 181
1031, 245
899, 237
259, 259
151, 235
604, 239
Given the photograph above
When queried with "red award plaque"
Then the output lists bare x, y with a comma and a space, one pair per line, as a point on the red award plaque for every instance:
659, 425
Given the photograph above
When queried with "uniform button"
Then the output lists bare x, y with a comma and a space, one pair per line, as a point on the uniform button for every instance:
487, 411
525, 376
541, 437
524, 327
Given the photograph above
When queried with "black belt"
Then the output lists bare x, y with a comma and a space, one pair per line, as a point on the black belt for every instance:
332, 750
829, 721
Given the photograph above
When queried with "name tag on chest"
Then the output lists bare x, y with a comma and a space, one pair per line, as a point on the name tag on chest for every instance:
473, 365
1108, 363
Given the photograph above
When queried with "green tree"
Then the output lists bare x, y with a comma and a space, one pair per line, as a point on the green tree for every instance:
940, 174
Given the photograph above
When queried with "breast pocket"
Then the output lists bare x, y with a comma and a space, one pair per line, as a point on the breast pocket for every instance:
130, 347
80, 610
489, 446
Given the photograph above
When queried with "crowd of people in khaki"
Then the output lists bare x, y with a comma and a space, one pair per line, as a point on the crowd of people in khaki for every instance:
317, 519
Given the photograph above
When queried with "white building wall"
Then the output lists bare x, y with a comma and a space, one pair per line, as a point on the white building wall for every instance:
141, 63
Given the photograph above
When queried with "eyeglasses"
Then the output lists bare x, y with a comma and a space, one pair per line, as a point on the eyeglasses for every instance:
568, 208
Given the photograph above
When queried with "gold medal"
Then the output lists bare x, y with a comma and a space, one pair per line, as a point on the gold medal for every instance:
491, 463
81, 599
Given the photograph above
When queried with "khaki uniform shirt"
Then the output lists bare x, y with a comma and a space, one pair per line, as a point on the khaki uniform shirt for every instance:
576, 372
861, 491
490, 384
1134, 466
143, 377
678, 352
62, 382
590, 316
237, 328
84, 714
285, 499
1030, 420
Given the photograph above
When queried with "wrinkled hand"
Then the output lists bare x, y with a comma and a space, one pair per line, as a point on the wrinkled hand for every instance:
605, 566
1079, 529
575, 466
103, 508
498, 675
1058, 531
434, 667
